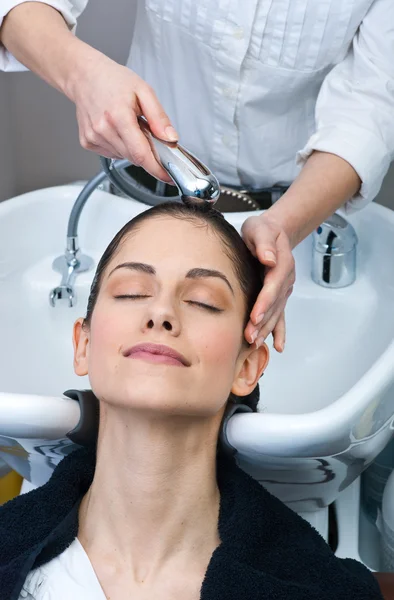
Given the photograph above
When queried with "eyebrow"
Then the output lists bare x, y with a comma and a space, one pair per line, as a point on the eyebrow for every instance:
196, 273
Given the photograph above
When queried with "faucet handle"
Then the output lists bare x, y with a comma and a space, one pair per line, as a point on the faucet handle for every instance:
62, 292
69, 265
335, 236
334, 253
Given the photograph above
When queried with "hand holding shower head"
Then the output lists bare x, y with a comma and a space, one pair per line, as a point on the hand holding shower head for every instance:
195, 182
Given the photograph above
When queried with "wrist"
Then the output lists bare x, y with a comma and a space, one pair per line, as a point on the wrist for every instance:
324, 184
79, 62
279, 217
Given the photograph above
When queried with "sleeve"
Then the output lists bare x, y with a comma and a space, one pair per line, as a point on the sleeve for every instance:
69, 9
355, 106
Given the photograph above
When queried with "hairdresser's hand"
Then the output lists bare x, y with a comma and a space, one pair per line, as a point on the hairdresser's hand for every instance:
108, 99
270, 244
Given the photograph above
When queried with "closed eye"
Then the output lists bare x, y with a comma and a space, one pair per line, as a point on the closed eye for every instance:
193, 302
206, 306
132, 296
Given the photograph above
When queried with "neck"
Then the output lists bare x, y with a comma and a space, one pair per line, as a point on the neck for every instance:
155, 482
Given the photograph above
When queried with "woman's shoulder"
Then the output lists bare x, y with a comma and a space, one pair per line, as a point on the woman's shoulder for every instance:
40, 524
38, 507
279, 549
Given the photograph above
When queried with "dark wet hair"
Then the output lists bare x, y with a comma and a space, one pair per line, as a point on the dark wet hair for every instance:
247, 268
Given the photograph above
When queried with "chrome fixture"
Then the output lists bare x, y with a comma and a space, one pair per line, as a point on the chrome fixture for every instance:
195, 182
73, 261
69, 265
334, 253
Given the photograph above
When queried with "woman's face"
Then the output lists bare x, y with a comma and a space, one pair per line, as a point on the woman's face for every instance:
170, 284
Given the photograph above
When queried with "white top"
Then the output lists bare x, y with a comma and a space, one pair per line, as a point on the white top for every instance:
69, 575
253, 87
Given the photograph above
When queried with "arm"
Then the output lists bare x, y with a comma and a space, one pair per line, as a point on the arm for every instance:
38, 36
345, 162
18, 13
108, 96
325, 183
354, 136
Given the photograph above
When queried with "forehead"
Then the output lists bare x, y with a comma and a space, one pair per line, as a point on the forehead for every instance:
179, 243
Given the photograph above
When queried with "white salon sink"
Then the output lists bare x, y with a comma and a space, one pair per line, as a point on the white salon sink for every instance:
327, 403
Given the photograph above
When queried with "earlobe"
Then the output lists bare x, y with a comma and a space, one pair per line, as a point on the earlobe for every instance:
253, 366
80, 344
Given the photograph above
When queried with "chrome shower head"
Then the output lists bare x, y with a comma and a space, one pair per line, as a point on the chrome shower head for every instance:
195, 182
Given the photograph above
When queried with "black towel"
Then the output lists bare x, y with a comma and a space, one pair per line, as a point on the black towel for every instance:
267, 552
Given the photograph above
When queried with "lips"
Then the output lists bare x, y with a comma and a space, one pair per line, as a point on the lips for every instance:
157, 350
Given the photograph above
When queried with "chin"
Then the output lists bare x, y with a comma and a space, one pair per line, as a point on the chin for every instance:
161, 391
158, 401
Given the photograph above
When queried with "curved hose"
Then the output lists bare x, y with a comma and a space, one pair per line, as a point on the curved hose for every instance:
72, 227
126, 184
123, 182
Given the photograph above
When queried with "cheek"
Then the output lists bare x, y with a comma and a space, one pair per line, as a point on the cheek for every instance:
218, 346
105, 338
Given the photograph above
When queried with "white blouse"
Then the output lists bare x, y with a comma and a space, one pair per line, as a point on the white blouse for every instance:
69, 575
254, 87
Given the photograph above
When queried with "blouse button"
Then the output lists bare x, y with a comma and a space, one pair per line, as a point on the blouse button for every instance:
239, 33
227, 140
229, 92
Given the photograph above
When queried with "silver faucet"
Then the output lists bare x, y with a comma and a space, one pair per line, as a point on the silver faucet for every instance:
195, 182
334, 245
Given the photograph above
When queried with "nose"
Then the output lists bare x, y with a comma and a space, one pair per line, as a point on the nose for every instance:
162, 317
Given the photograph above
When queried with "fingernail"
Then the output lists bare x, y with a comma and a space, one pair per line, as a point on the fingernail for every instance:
259, 318
270, 256
253, 336
171, 134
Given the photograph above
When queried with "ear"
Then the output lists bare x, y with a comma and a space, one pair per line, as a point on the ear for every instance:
81, 348
253, 364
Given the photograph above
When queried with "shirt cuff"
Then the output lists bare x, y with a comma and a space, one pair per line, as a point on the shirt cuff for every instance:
364, 151
7, 61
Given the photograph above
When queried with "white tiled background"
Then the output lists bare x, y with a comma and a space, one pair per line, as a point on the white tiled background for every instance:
38, 131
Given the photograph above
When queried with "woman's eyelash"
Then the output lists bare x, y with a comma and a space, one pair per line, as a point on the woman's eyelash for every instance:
206, 306
133, 296
194, 302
